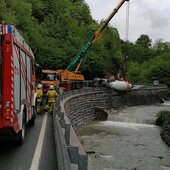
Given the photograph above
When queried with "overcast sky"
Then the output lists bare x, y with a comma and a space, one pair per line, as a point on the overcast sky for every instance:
150, 17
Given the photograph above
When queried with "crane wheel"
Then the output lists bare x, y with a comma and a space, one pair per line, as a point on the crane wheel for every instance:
78, 85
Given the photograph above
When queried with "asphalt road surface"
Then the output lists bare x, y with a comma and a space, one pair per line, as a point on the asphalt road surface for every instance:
38, 151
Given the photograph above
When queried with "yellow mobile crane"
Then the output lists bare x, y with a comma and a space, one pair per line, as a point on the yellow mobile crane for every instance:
70, 78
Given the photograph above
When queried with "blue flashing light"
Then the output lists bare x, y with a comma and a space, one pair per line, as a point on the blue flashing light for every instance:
9, 29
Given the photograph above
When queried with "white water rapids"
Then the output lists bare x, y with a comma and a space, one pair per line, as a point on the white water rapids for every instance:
128, 140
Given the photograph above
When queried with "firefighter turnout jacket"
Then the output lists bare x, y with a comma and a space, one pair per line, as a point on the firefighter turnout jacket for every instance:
52, 94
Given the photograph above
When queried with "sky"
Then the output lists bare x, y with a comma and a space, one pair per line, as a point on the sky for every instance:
150, 17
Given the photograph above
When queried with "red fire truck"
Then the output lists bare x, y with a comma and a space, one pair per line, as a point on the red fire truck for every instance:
17, 84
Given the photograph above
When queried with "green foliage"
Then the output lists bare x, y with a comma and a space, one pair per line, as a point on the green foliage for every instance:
140, 54
147, 63
38, 8
144, 41
161, 47
57, 29
158, 69
141, 51
134, 72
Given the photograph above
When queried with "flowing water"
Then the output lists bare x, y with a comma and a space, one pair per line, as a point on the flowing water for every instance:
128, 140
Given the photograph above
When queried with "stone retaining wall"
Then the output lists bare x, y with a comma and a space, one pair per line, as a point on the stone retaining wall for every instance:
80, 108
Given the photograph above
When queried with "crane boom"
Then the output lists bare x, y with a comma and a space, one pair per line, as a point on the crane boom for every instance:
78, 58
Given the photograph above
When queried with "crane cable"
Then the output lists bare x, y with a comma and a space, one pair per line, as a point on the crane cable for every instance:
127, 21
126, 38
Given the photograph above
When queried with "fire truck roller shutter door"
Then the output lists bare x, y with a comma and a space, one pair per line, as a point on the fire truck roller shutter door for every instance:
17, 78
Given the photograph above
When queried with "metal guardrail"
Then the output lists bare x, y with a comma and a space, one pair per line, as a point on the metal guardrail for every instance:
68, 154
63, 160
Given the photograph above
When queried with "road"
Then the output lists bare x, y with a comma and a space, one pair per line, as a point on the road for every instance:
31, 155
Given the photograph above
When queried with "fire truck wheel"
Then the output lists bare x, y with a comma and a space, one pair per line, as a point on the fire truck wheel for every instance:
21, 134
32, 121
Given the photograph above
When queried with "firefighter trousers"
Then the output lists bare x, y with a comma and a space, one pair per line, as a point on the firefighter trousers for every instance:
50, 106
39, 107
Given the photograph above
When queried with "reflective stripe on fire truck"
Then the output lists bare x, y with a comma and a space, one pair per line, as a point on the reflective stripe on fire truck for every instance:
7, 29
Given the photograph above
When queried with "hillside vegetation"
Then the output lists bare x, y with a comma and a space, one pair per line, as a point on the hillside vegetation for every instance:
57, 29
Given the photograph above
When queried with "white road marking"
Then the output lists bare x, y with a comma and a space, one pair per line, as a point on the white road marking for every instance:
37, 154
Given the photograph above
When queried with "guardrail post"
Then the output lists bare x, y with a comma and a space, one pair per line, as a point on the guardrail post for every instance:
58, 108
61, 115
67, 134
73, 154
62, 123
83, 162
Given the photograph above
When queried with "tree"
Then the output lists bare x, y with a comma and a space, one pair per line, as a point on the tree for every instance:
144, 41
161, 47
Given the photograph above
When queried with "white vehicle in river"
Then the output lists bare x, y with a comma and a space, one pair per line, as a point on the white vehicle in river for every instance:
120, 85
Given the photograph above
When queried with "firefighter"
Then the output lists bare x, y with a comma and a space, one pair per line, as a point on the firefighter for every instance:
51, 94
39, 94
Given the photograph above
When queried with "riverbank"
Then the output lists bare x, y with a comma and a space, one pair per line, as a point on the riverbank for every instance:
163, 120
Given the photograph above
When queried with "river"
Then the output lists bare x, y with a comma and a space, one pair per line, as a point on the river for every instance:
128, 140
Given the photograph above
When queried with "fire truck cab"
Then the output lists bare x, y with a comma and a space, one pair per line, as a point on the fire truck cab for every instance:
17, 84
